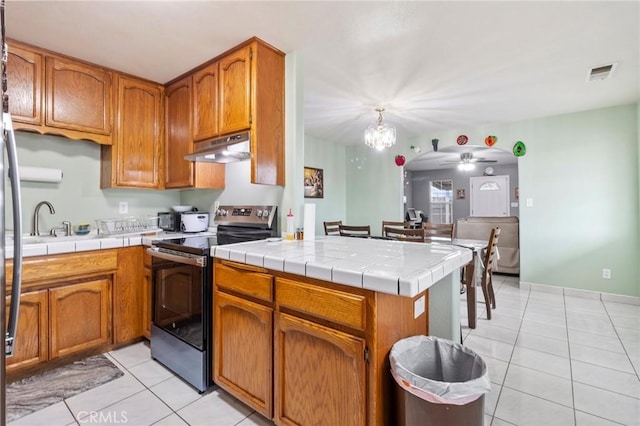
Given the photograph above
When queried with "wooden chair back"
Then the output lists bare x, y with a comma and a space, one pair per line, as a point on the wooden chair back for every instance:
354, 230
487, 273
401, 234
331, 228
406, 224
437, 230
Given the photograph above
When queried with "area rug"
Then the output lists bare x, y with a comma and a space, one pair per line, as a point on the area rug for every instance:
42, 390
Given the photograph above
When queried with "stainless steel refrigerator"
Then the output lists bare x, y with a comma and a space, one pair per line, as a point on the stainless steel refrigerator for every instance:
8, 167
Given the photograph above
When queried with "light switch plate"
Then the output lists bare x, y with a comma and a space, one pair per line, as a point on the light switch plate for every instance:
124, 207
529, 202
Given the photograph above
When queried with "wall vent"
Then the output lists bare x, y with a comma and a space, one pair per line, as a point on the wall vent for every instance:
601, 72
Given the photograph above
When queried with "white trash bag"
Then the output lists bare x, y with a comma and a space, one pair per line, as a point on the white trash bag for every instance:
439, 370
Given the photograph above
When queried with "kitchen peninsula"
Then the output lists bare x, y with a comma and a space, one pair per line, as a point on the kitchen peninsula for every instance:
316, 319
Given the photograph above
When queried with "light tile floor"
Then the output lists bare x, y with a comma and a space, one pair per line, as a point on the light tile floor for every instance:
552, 359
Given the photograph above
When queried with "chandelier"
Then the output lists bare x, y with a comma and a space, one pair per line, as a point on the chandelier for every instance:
380, 135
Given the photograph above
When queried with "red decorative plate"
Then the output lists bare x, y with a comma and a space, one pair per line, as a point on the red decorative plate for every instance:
462, 139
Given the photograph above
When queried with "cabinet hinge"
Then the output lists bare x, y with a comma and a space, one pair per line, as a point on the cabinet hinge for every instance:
250, 53
366, 356
250, 119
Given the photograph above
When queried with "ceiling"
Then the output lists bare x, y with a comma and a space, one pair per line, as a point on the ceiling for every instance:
434, 66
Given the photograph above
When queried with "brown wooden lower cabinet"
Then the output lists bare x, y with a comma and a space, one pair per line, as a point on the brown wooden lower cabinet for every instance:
243, 350
75, 305
324, 361
32, 343
79, 316
320, 375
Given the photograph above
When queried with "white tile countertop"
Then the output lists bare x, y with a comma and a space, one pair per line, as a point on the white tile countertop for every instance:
394, 267
49, 245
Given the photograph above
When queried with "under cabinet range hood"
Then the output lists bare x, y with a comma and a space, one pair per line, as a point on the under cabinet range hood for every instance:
222, 150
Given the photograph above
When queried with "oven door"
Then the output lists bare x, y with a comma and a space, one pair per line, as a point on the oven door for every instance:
178, 283
229, 234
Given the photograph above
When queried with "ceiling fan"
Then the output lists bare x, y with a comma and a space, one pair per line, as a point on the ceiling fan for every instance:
467, 161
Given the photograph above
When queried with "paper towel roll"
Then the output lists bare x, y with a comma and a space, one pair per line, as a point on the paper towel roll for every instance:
40, 174
309, 222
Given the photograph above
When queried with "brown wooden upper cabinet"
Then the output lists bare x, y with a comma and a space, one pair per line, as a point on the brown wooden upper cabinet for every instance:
53, 94
243, 89
79, 96
26, 85
205, 103
180, 173
134, 159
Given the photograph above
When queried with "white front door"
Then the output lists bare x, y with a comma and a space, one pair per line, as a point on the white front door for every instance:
489, 196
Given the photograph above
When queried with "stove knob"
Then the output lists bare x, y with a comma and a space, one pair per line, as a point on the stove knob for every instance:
259, 213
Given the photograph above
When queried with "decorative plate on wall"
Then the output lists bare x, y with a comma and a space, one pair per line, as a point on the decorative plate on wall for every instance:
462, 139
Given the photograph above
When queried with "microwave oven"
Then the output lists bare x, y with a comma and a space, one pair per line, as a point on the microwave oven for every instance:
183, 222
170, 221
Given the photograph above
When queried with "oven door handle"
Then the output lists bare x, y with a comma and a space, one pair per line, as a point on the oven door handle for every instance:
199, 261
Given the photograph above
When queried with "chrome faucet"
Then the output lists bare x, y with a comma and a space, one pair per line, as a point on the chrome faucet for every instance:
35, 230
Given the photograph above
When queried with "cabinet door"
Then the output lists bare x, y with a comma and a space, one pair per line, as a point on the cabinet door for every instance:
79, 316
138, 145
205, 103
243, 345
25, 77
32, 337
178, 171
128, 296
235, 91
79, 96
320, 375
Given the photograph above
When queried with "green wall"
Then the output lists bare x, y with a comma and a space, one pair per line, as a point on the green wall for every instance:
78, 198
330, 157
581, 172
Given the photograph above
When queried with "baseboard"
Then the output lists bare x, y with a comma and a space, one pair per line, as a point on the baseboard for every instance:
577, 292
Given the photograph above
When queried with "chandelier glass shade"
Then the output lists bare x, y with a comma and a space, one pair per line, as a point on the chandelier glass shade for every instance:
380, 135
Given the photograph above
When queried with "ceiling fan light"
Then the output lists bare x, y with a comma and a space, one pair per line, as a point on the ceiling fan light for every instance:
380, 135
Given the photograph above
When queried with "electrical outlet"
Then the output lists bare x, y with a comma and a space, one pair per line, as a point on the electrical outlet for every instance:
529, 202
124, 207
606, 273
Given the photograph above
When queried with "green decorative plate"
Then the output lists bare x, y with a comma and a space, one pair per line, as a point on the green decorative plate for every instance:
519, 149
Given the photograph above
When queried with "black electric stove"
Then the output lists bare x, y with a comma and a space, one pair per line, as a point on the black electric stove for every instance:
182, 291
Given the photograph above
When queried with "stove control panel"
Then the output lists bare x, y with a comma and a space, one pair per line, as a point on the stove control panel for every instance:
254, 216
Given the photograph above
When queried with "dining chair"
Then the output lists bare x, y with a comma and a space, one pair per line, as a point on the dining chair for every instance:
406, 224
437, 230
487, 272
354, 230
331, 228
401, 234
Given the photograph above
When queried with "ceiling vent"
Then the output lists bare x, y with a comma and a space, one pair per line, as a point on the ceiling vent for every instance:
601, 72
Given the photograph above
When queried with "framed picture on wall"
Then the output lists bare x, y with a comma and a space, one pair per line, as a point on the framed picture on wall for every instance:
460, 194
313, 183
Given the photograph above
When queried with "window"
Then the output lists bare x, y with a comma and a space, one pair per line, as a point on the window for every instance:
441, 201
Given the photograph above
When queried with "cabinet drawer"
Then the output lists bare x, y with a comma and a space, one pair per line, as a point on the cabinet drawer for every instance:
333, 305
43, 268
244, 279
